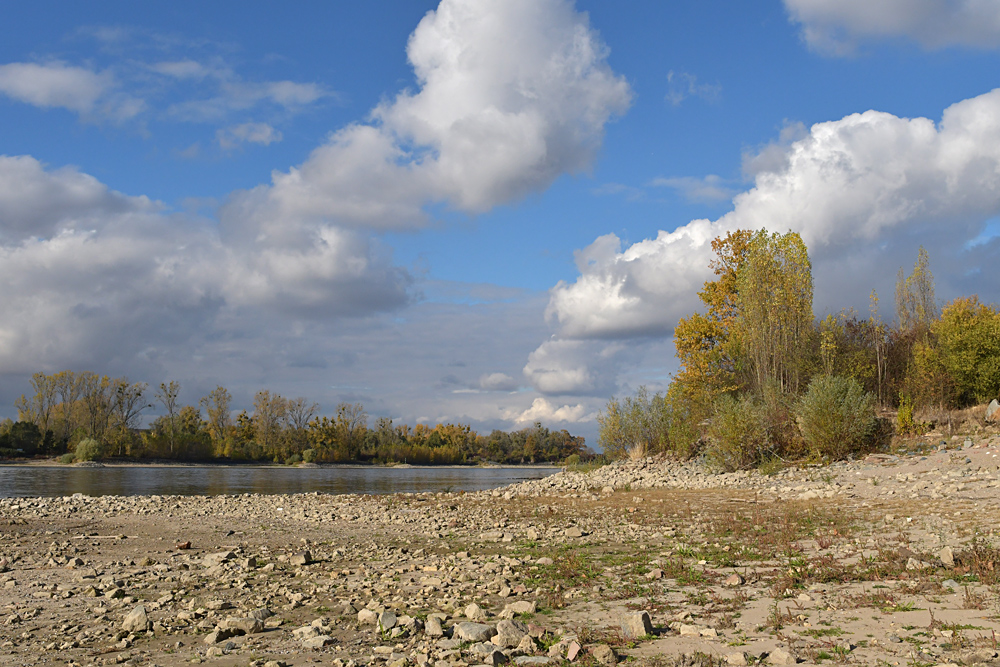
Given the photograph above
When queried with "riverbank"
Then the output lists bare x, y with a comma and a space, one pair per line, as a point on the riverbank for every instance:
165, 463
890, 560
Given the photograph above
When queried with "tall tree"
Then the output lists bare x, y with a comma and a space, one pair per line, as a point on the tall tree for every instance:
269, 414
220, 421
915, 305
167, 395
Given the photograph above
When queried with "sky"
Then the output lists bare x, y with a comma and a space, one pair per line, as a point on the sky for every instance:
490, 212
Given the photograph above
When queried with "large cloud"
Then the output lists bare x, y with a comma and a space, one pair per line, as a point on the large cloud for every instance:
58, 85
512, 93
862, 191
836, 26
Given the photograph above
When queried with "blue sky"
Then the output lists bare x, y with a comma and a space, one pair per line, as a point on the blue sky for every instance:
412, 205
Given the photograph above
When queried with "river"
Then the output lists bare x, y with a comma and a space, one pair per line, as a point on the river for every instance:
21, 481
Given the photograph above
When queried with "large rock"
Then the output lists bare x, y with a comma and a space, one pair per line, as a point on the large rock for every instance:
474, 612
245, 626
301, 558
604, 654
519, 607
780, 656
510, 633
637, 625
947, 557
432, 627
367, 617
386, 621
137, 621
474, 632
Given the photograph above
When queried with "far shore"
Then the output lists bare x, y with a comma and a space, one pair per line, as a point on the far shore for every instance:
160, 463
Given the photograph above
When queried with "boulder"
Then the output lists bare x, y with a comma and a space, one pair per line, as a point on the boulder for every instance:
637, 625
432, 627
510, 633
604, 654
301, 558
993, 411
780, 656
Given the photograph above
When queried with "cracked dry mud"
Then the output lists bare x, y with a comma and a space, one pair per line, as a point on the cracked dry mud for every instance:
888, 561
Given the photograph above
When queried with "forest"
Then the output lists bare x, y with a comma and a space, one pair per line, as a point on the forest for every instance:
762, 381
82, 416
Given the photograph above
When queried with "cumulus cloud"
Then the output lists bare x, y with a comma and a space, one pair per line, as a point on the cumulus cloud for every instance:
542, 410
836, 27
511, 94
566, 367
58, 85
247, 133
497, 382
862, 191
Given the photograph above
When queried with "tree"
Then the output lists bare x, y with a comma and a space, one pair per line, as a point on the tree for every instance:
968, 340
774, 317
38, 408
269, 412
97, 396
167, 395
217, 408
128, 402
915, 306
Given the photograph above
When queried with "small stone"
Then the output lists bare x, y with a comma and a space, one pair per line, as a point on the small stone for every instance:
572, 651
474, 612
573, 531
544, 560
496, 657
519, 607
947, 557
736, 659
993, 411
780, 657
654, 574
432, 627
510, 633
689, 630
318, 641
386, 621
604, 654
301, 558
474, 632
893, 639
637, 625
734, 580
219, 635
367, 617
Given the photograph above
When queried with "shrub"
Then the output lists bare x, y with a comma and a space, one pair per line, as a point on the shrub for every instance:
89, 450
572, 460
309, 456
68, 457
738, 434
293, 459
837, 417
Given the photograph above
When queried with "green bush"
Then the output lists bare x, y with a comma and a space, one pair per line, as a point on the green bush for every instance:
293, 459
89, 450
837, 418
572, 460
738, 436
309, 456
68, 457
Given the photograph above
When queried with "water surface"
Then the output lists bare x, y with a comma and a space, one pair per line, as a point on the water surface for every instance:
19, 481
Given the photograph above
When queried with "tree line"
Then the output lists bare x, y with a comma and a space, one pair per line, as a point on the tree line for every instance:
85, 416
762, 379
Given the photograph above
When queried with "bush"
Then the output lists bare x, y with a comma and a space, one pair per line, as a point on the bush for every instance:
68, 457
572, 460
293, 459
309, 456
837, 417
89, 450
738, 436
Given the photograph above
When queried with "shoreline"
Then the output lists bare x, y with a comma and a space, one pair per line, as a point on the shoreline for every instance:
52, 463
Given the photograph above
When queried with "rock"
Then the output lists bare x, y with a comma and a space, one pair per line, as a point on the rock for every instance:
544, 560
137, 621
474, 632
213, 560
654, 574
496, 657
572, 651
306, 632
432, 627
318, 641
914, 564
947, 557
474, 612
604, 654
510, 633
245, 626
519, 607
367, 617
637, 625
734, 580
219, 635
261, 614
526, 646
993, 411
573, 531
737, 659
780, 657
301, 558
532, 660
690, 630
386, 621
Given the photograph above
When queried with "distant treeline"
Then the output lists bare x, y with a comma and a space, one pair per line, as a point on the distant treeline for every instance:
85, 416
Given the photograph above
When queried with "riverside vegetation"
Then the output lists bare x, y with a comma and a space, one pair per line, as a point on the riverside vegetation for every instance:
86, 417
762, 382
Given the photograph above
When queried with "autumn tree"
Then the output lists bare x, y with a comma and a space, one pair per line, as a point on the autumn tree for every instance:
915, 305
967, 337
167, 395
217, 406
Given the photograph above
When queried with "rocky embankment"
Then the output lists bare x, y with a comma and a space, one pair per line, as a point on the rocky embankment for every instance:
888, 560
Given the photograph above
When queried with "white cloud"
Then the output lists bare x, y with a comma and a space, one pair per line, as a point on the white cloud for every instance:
862, 191
683, 85
577, 367
708, 189
58, 85
497, 382
836, 27
249, 133
512, 94
543, 411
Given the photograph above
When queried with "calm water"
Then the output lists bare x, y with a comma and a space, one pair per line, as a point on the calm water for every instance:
23, 481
